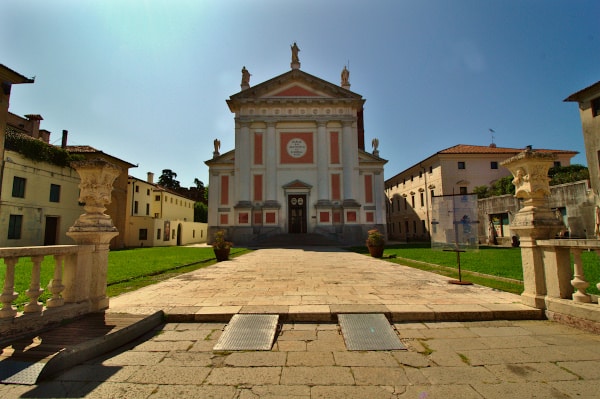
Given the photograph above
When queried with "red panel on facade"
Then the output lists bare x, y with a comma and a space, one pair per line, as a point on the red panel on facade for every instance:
370, 217
336, 194
296, 91
334, 150
270, 217
337, 217
258, 149
224, 190
224, 219
258, 187
243, 218
351, 216
369, 189
324, 217
296, 148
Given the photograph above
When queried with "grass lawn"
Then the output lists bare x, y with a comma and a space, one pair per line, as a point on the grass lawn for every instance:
127, 269
492, 261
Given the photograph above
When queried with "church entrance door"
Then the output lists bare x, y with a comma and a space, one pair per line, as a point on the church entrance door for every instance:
297, 213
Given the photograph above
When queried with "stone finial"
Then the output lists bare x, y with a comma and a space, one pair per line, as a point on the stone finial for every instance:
97, 178
217, 145
295, 64
245, 79
375, 144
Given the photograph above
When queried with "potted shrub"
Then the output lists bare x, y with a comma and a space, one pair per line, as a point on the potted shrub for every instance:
221, 246
375, 243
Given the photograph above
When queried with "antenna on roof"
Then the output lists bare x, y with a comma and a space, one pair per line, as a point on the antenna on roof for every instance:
492, 131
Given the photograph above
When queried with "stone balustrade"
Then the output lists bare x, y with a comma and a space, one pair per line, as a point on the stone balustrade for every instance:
78, 284
548, 280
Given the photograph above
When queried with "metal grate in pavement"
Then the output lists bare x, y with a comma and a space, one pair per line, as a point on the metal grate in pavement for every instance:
368, 332
18, 372
248, 332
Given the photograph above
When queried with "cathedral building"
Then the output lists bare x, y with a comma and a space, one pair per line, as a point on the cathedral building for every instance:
299, 165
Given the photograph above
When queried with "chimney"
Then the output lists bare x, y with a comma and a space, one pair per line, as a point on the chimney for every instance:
63, 143
150, 177
528, 148
35, 124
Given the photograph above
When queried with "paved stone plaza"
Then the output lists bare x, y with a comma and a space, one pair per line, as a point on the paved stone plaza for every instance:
458, 359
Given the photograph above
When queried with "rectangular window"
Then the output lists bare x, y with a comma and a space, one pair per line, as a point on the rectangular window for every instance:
143, 234
412, 200
423, 226
420, 174
432, 194
147, 209
463, 190
54, 193
148, 192
406, 227
493, 165
14, 227
158, 234
18, 190
557, 164
137, 189
461, 165
422, 199
596, 107
405, 203
431, 169
135, 207
157, 198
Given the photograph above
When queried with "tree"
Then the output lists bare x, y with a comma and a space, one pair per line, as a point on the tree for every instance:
200, 212
568, 174
167, 179
503, 186
482, 191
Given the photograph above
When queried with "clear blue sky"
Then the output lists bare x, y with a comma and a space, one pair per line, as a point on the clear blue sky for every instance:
146, 81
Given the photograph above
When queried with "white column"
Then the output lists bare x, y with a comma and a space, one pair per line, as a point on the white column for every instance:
214, 182
350, 160
378, 186
242, 162
271, 163
322, 161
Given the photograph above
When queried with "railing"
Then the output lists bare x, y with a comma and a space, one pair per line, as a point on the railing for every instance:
65, 286
562, 281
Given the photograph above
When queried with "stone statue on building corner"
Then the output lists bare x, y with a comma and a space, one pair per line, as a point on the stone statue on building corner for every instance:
345, 77
375, 144
245, 78
217, 144
295, 64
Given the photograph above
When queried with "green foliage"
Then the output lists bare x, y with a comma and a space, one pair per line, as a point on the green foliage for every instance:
568, 174
38, 151
200, 212
167, 179
503, 186
482, 192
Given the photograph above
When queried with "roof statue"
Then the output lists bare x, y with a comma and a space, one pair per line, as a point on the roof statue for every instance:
295, 64
245, 79
217, 144
375, 144
345, 76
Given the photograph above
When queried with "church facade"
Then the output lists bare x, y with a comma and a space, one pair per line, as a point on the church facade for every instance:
299, 165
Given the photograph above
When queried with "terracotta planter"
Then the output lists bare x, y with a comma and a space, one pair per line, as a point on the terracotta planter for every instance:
221, 254
376, 251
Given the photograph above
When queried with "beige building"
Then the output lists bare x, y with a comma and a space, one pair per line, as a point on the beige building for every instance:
299, 165
455, 170
159, 217
589, 112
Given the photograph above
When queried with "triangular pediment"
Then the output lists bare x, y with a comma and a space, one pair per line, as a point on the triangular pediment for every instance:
297, 184
295, 83
222, 159
296, 91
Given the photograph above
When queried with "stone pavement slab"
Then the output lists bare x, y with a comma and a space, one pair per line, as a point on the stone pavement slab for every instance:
316, 284
433, 367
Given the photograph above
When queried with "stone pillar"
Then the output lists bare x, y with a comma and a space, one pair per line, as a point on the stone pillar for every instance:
242, 164
271, 164
380, 198
535, 221
350, 161
95, 227
322, 162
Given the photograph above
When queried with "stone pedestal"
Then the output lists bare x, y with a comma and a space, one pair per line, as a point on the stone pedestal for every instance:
534, 221
95, 227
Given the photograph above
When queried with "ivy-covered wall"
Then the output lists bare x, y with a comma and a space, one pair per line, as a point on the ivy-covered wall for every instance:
37, 150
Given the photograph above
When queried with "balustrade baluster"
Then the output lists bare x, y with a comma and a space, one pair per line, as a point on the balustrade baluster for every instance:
579, 281
56, 286
8, 292
34, 290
